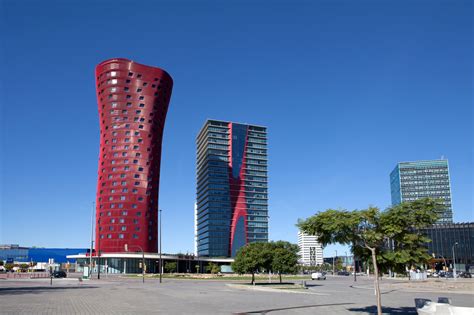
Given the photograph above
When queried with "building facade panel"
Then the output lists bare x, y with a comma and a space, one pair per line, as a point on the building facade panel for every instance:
452, 238
232, 207
410, 181
133, 101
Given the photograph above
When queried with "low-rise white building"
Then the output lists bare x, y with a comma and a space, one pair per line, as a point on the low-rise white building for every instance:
311, 251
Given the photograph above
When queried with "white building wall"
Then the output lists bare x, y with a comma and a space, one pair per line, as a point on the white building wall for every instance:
311, 251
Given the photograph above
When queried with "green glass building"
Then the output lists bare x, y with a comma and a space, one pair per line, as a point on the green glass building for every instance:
410, 181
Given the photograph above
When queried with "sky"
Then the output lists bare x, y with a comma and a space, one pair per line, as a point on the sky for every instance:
346, 89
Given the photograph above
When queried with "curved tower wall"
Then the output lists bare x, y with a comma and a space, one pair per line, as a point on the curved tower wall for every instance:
133, 101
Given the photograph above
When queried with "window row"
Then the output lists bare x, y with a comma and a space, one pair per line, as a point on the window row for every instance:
121, 236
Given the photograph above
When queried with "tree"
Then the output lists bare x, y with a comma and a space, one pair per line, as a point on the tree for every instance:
170, 266
389, 237
252, 258
213, 268
9, 266
1, 262
284, 257
24, 267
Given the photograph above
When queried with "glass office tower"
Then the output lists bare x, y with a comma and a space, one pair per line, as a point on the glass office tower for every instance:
415, 180
232, 190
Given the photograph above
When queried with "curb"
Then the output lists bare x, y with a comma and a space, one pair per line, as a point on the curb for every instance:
256, 288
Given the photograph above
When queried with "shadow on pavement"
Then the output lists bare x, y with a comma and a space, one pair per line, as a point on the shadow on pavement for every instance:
36, 290
289, 308
386, 310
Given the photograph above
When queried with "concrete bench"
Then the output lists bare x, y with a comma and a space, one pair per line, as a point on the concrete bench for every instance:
442, 307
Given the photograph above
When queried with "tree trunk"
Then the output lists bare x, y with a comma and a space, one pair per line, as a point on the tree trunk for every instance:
253, 278
376, 283
280, 276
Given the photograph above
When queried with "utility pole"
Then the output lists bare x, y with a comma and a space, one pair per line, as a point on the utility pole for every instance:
98, 253
92, 239
354, 263
161, 260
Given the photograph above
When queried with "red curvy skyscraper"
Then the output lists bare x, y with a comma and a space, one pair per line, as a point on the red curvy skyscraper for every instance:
133, 101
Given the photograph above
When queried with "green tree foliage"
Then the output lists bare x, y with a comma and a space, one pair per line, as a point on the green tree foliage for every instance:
284, 257
1, 263
280, 257
24, 267
170, 266
9, 266
252, 258
213, 268
392, 238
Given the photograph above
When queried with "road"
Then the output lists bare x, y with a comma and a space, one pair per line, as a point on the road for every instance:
336, 295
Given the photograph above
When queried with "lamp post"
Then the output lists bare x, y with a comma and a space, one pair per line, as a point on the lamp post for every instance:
161, 260
98, 253
143, 260
92, 239
454, 260
354, 264
346, 260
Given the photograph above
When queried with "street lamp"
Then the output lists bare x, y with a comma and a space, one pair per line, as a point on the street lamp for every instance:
161, 260
92, 239
454, 260
98, 245
143, 260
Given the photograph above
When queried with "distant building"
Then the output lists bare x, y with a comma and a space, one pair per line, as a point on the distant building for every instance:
16, 253
443, 239
410, 181
232, 189
310, 250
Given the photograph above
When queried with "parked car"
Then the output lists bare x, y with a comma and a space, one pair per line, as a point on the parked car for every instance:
465, 274
318, 276
343, 273
59, 274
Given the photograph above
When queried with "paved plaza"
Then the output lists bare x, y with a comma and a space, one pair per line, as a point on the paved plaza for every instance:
336, 295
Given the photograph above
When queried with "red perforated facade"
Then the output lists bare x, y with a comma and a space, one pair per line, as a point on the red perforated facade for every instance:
133, 101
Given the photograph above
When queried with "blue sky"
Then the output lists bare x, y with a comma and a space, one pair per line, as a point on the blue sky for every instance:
347, 89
